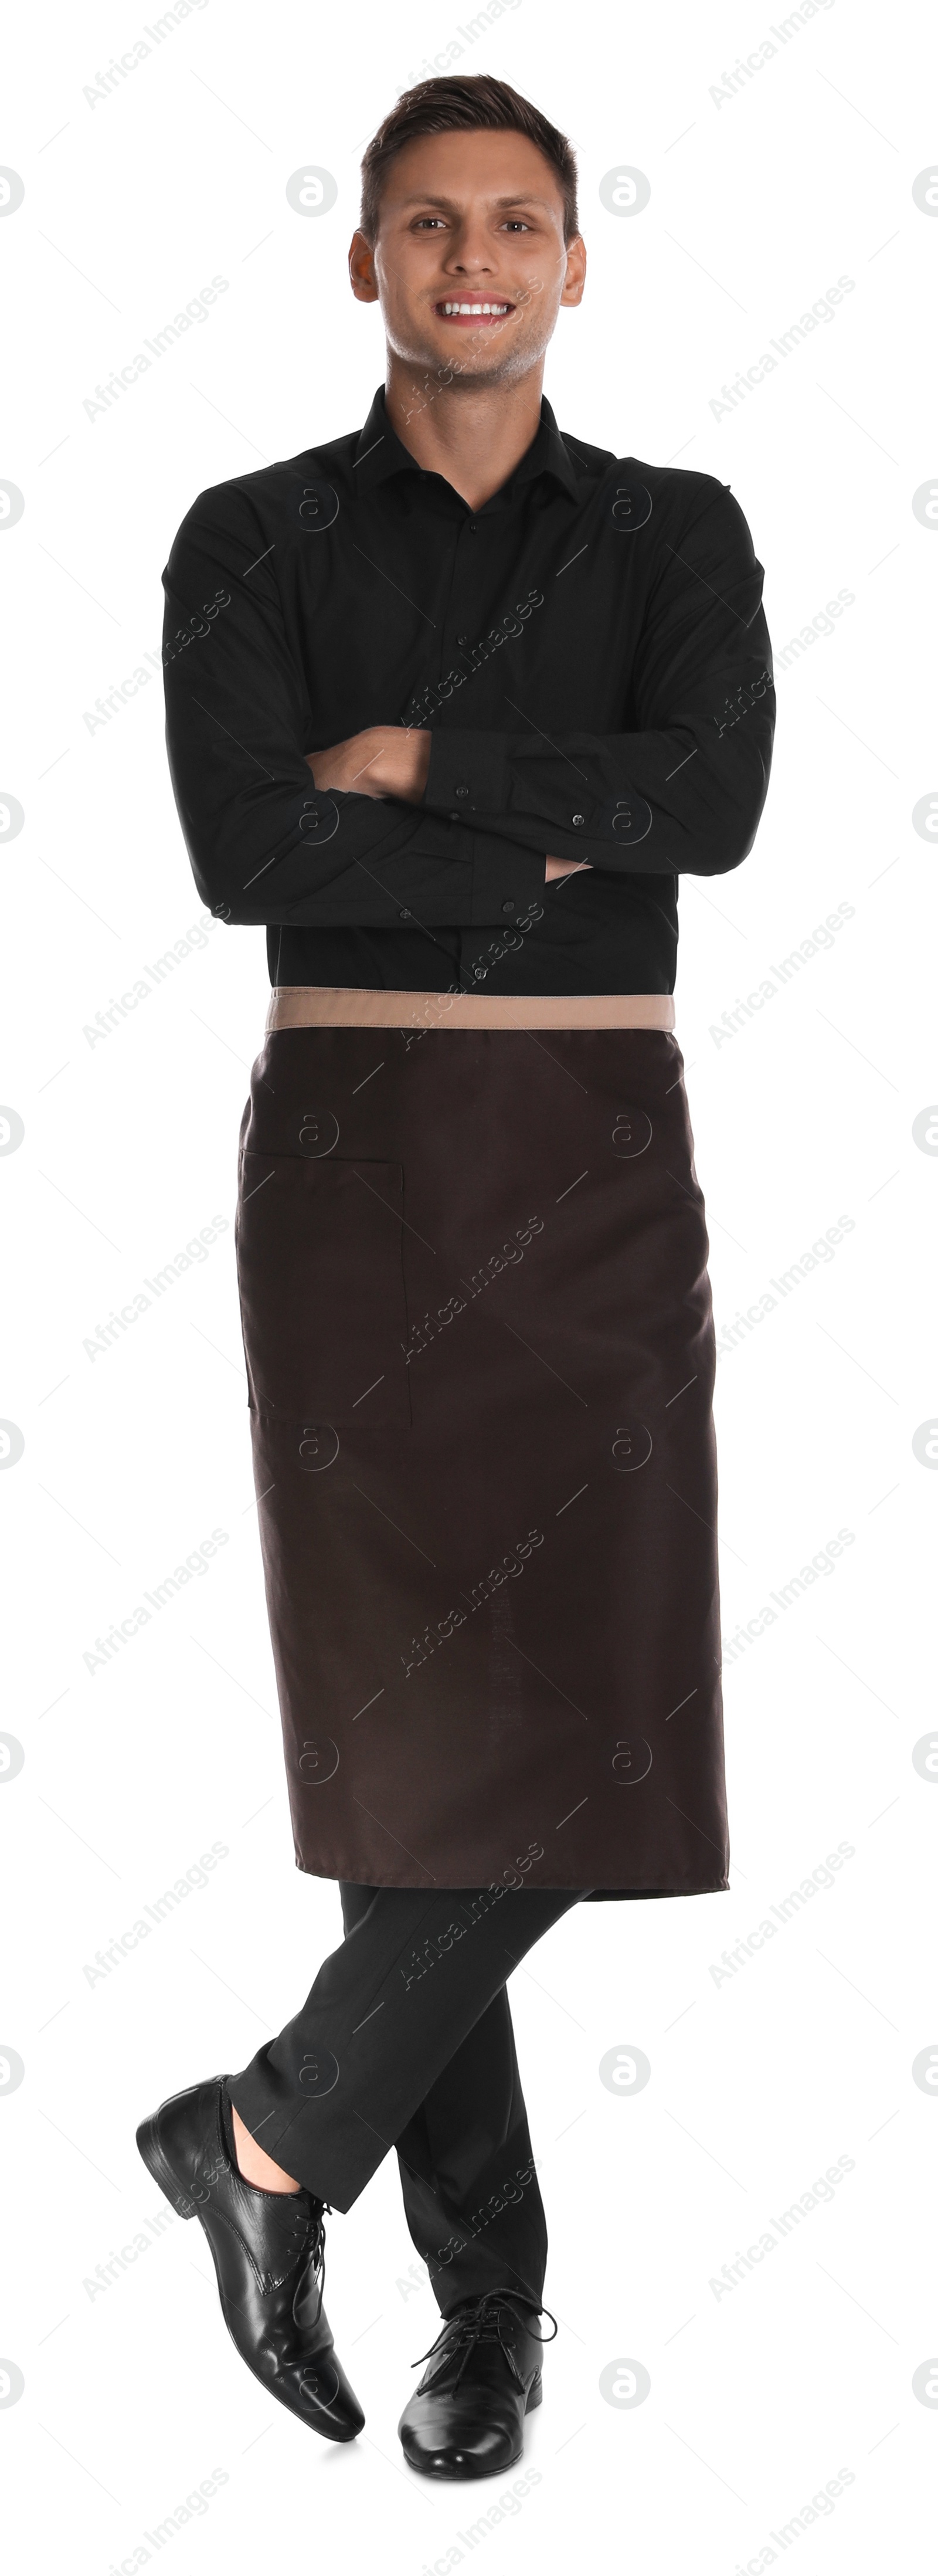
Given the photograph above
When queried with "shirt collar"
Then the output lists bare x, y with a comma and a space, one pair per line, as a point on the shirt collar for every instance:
379, 453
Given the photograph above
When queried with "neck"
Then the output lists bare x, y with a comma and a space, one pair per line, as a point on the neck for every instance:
473, 435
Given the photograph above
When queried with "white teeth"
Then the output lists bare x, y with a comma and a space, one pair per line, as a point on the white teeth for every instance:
475, 308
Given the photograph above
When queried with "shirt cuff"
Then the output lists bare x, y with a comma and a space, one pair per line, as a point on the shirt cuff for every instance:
506, 880
468, 774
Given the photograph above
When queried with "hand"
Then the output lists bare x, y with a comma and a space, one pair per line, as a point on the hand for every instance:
563, 868
384, 760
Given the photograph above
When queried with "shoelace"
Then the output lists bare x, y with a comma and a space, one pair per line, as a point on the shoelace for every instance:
313, 2257
313, 2252
480, 2321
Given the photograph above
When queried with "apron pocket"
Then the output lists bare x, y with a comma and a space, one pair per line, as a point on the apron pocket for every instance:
319, 1248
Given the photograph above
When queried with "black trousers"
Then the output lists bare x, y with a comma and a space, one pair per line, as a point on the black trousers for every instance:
406, 2040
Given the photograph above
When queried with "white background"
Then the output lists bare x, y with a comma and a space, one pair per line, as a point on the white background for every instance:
804, 2054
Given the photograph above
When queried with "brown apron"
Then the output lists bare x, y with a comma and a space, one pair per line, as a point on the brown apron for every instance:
480, 1353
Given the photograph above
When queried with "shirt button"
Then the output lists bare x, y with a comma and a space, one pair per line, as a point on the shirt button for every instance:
462, 791
578, 818
455, 818
508, 907
405, 915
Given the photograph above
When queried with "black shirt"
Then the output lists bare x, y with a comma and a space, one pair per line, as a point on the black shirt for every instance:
589, 651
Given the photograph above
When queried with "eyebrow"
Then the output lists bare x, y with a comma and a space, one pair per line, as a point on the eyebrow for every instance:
424, 197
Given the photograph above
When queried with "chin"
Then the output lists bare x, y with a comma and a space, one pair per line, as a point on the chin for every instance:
485, 365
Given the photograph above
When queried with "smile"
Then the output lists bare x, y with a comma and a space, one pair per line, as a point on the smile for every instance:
450, 311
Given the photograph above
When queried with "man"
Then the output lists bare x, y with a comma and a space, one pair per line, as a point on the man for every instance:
421, 683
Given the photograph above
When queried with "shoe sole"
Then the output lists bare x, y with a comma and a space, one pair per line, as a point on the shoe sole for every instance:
157, 2165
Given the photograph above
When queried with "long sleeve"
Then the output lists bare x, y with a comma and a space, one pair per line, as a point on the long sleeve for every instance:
681, 787
264, 844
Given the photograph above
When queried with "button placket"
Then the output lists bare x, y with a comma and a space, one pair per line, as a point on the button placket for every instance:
461, 624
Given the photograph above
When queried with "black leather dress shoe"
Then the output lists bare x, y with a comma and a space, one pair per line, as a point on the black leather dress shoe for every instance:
466, 2418
268, 2249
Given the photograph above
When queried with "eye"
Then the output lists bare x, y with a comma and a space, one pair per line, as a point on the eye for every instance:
519, 224
427, 219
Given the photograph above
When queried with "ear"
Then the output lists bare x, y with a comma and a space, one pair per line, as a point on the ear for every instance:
361, 269
572, 289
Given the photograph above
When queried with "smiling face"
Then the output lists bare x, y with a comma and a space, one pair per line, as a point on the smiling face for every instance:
469, 265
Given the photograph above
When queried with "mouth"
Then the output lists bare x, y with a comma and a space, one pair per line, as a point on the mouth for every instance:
472, 314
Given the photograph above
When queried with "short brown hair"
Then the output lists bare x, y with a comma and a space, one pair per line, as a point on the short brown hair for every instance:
464, 106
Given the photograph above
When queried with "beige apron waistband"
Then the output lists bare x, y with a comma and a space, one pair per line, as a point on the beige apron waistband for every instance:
340, 1006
